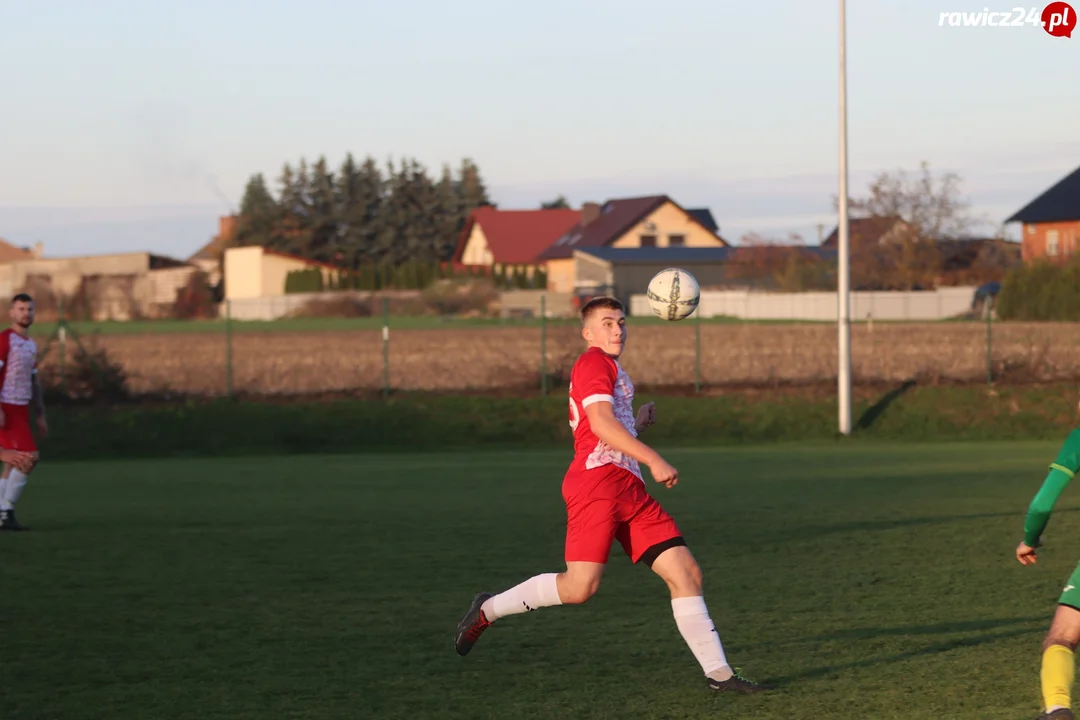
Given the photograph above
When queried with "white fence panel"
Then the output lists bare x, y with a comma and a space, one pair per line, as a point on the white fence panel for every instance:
822, 306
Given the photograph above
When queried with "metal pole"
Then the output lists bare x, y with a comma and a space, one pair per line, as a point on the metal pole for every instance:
697, 351
228, 350
386, 345
543, 346
62, 333
843, 274
989, 342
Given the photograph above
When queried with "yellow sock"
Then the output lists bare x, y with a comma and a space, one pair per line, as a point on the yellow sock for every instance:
1058, 670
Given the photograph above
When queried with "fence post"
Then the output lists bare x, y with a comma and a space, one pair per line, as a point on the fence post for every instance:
63, 345
987, 307
386, 345
697, 351
543, 346
228, 350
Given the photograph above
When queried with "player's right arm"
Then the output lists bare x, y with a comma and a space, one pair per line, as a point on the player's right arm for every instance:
594, 379
607, 427
1061, 472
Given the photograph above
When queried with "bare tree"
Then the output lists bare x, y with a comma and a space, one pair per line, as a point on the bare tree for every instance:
932, 207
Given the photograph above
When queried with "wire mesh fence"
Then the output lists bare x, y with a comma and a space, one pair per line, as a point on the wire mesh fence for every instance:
390, 353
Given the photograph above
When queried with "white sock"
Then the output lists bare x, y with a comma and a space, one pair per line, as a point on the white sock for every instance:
536, 592
692, 617
4, 505
15, 484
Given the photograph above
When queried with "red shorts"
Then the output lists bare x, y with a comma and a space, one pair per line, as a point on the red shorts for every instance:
610, 503
15, 433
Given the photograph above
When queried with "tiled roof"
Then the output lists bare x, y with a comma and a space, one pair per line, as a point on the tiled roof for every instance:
1059, 203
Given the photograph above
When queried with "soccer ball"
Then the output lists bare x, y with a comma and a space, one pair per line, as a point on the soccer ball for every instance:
673, 294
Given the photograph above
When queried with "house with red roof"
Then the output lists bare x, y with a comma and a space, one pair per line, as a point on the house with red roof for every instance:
654, 221
511, 238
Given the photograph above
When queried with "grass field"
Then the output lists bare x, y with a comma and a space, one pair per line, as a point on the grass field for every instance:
869, 581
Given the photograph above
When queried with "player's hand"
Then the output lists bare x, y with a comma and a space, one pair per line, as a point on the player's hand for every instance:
22, 461
43, 426
664, 473
646, 416
1026, 554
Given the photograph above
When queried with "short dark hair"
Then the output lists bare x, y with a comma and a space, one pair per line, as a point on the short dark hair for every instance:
21, 297
608, 303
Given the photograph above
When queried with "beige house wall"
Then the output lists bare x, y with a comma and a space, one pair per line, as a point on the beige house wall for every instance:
477, 251
253, 272
560, 276
662, 223
243, 272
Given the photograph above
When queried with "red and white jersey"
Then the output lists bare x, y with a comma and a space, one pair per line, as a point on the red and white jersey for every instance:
597, 377
18, 363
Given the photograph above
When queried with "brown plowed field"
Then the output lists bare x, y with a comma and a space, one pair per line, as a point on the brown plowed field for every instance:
505, 358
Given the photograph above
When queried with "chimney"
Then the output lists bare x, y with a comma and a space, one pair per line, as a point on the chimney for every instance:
589, 212
39, 250
820, 233
226, 227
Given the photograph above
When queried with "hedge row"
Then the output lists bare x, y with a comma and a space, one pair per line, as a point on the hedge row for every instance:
417, 424
411, 275
1042, 290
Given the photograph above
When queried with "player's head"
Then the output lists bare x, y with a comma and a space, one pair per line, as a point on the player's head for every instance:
603, 325
22, 310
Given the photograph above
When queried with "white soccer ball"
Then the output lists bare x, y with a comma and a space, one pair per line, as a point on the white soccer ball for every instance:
673, 294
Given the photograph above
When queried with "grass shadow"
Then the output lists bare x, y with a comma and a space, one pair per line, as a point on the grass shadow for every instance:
812, 532
877, 409
942, 628
925, 651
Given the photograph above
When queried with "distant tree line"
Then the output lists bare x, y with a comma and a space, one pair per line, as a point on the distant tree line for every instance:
361, 214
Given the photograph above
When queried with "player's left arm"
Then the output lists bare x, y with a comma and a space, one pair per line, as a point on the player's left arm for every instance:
646, 416
1061, 472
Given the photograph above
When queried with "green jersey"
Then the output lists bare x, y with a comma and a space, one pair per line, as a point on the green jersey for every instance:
1062, 470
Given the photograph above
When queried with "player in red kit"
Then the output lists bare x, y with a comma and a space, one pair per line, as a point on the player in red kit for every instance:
19, 387
606, 500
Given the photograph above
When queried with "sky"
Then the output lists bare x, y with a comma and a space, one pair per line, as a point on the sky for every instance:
133, 125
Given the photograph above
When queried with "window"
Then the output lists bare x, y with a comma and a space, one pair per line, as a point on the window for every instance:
1052, 242
676, 240
648, 241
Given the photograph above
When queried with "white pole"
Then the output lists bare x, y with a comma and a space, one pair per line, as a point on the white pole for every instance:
843, 275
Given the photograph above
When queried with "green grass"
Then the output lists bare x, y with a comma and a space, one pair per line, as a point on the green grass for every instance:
868, 581
429, 423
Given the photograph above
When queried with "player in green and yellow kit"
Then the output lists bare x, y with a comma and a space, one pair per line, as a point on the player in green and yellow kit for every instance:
1058, 662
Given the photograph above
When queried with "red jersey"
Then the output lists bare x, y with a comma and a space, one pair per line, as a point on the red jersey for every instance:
18, 364
597, 377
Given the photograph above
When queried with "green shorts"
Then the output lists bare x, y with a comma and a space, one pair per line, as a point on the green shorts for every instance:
1071, 594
